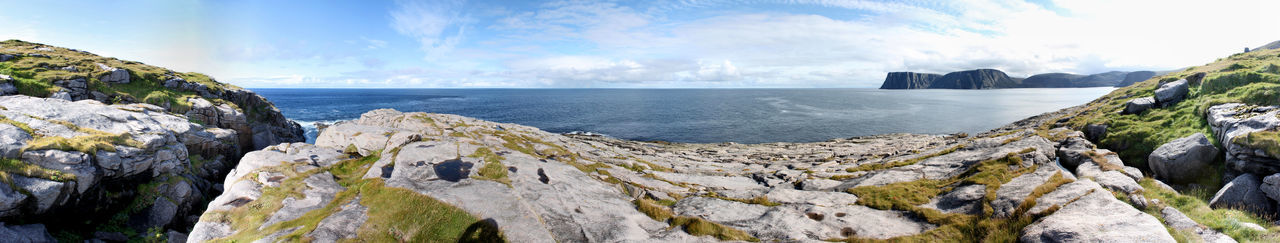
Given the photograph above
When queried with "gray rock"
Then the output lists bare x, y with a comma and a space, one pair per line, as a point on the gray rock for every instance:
1138, 105
1243, 193
1064, 194
1172, 92
6, 57
175, 237
1195, 78
1011, 194
160, 214
1183, 160
46, 193
1097, 217
964, 199
61, 95
33, 233
320, 190
10, 201
1271, 186
341, 225
12, 139
1095, 132
820, 198
1230, 121
113, 75
1178, 221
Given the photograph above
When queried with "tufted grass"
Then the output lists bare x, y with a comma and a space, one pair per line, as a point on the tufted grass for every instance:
1226, 221
17, 167
1268, 141
700, 227
493, 168
905, 196
395, 214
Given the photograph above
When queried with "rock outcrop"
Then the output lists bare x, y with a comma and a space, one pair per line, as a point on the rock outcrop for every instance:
995, 79
1233, 124
1171, 93
1138, 105
1183, 160
908, 80
974, 79
70, 159
530, 185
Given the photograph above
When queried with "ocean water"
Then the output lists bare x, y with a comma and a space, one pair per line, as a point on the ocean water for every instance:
699, 115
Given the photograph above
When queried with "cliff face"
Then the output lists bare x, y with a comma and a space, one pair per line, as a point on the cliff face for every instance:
975, 79
995, 79
123, 147
908, 80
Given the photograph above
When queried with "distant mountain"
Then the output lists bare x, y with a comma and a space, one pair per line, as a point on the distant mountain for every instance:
975, 79
996, 79
909, 80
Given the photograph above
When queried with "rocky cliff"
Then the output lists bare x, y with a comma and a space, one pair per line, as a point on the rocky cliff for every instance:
995, 79
130, 151
908, 80
974, 79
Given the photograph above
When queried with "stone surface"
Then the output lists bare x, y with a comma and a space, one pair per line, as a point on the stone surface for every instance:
1172, 92
1096, 217
34, 233
964, 199
1178, 221
1011, 194
1183, 160
1230, 121
1244, 193
1138, 105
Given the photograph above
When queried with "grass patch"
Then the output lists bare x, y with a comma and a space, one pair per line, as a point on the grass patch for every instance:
493, 169
895, 164
89, 144
1226, 221
17, 167
904, 196
700, 227
395, 214
1268, 141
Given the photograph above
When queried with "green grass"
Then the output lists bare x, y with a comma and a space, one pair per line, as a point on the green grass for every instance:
17, 167
395, 214
1268, 141
493, 168
20, 125
1133, 137
904, 196
1226, 221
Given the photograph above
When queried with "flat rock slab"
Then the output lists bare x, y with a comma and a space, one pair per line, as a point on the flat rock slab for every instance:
710, 181
1097, 217
964, 199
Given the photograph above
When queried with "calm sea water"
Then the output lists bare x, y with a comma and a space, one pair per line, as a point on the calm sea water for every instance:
699, 115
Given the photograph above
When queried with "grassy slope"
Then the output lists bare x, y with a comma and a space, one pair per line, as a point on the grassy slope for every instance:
1251, 78
35, 75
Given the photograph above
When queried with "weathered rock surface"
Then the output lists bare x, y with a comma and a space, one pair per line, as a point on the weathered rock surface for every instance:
84, 155
25, 233
1138, 105
1097, 217
1244, 193
1232, 121
1172, 93
584, 188
1183, 160
1178, 221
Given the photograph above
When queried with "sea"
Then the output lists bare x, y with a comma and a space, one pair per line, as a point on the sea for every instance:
699, 115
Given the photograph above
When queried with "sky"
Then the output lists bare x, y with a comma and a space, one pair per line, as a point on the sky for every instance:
639, 44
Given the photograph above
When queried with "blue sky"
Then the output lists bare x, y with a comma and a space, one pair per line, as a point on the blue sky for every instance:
659, 44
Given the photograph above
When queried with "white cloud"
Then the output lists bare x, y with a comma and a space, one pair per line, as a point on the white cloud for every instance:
437, 25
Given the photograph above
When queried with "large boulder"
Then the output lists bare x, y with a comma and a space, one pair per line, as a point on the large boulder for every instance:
6, 85
1244, 193
1195, 78
33, 233
1183, 160
1138, 105
1097, 217
112, 75
1231, 122
1172, 92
